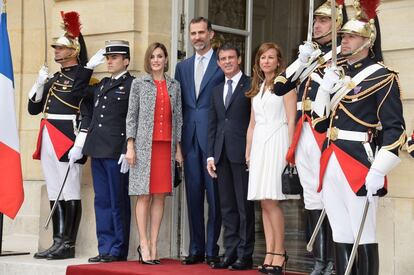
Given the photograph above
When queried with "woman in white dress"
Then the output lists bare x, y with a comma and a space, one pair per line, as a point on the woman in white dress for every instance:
270, 131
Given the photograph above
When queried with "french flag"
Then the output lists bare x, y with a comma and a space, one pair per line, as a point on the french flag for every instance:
11, 181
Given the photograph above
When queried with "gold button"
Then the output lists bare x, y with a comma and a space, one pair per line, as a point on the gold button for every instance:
336, 117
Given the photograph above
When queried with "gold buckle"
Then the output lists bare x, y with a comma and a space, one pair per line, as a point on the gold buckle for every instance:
307, 105
333, 133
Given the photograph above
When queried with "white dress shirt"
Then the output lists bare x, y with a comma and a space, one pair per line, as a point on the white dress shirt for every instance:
205, 61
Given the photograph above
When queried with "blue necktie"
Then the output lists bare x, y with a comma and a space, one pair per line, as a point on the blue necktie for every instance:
229, 93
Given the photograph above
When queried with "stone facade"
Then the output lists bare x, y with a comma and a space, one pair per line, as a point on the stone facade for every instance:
142, 22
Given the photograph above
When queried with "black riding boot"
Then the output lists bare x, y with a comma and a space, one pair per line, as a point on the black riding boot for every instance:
319, 246
72, 221
342, 255
58, 222
330, 251
368, 259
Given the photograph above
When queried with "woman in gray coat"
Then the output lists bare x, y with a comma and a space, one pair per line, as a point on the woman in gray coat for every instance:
153, 128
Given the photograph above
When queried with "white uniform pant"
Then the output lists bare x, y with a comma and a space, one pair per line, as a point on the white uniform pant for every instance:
54, 172
344, 208
307, 158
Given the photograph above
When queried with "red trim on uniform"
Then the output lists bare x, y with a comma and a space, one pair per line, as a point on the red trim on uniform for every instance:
354, 171
61, 143
319, 137
326, 155
290, 156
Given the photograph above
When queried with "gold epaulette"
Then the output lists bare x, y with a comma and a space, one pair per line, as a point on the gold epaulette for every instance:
339, 62
388, 68
281, 79
93, 81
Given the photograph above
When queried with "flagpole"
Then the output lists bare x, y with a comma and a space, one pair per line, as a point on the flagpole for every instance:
6, 253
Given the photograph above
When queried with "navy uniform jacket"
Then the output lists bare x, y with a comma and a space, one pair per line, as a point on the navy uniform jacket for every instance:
374, 107
59, 98
108, 107
306, 94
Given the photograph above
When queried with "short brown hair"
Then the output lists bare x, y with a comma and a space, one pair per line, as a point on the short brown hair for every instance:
201, 19
147, 59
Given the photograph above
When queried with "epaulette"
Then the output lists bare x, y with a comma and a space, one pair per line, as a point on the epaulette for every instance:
388, 68
281, 79
93, 81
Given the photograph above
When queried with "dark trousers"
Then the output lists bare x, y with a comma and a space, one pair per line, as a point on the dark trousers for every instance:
112, 207
198, 183
236, 211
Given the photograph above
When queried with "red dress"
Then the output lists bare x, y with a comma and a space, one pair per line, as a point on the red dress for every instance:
160, 174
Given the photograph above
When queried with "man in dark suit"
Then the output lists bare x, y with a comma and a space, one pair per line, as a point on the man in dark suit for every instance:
198, 75
228, 122
105, 142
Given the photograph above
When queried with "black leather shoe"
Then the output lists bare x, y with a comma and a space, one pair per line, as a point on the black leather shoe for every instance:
242, 264
95, 259
193, 259
210, 260
225, 263
110, 259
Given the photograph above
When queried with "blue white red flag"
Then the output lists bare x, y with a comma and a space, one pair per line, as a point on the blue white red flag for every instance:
11, 182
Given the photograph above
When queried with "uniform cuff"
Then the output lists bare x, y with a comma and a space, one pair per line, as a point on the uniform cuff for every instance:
385, 161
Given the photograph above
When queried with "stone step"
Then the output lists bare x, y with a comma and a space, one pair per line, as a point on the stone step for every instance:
26, 264
20, 243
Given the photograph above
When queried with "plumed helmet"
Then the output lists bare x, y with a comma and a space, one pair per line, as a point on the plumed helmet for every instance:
325, 10
363, 24
71, 26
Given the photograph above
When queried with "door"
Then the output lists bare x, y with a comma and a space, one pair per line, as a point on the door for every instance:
247, 24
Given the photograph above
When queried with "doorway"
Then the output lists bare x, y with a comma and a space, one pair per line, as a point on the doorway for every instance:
247, 24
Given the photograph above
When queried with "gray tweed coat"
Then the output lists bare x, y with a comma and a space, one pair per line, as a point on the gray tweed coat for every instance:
140, 125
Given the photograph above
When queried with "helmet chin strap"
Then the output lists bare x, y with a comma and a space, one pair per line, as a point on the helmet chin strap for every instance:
323, 35
67, 57
357, 51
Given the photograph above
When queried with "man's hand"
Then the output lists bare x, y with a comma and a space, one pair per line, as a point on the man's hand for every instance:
373, 182
124, 164
75, 154
43, 75
330, 78
96, 60
211, 168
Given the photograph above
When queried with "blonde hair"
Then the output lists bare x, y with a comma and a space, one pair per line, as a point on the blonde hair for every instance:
258, 75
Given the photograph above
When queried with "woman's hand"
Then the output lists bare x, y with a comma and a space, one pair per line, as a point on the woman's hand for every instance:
179, 156
247, 162
130, 155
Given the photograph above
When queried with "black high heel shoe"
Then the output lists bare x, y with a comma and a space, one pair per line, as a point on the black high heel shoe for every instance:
275, 269
263, 268
141, 260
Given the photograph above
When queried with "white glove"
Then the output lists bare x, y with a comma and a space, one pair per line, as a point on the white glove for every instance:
330, 78
308, 52
96, 60
43, 75
124, 164
373, 182
74, 154
37, 88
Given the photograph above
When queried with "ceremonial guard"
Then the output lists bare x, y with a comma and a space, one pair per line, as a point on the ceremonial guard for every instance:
53, 96
365, 132
305, 150
104, 141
